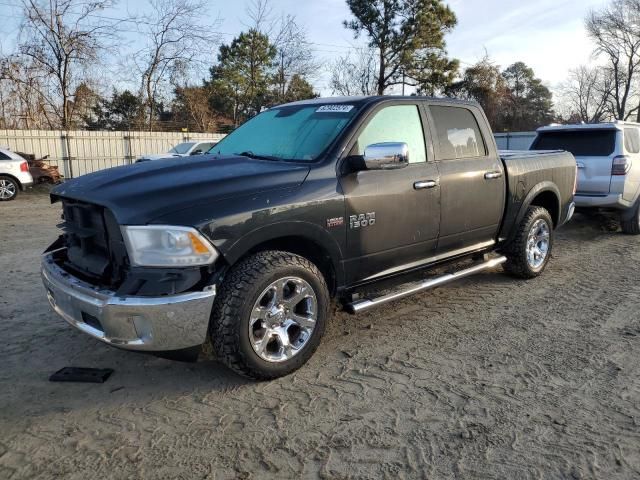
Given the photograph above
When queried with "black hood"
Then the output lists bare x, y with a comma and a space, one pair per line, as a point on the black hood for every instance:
136, 194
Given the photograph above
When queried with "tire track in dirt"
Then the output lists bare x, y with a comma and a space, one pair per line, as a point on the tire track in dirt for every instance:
487, 378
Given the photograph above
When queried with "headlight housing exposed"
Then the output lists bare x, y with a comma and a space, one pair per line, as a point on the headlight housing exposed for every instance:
167, 246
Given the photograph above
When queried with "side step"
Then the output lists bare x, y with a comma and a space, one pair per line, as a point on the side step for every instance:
367, 303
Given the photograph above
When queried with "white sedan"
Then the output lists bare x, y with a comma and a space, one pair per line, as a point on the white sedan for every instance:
182, 150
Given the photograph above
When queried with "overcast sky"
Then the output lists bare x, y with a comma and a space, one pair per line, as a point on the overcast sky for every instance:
548, 35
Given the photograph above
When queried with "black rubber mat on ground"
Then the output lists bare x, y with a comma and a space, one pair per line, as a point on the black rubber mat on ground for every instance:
79, 374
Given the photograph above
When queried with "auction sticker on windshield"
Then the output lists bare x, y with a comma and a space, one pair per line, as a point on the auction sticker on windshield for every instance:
335, 109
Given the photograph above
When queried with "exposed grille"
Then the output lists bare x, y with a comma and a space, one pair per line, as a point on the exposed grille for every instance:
93, 240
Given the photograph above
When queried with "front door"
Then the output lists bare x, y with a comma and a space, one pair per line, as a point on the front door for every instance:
392, 216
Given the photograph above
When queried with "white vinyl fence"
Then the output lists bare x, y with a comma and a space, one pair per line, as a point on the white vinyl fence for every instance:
514, 140
79, 152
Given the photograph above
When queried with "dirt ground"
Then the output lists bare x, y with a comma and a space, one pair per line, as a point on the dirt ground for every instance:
487, 378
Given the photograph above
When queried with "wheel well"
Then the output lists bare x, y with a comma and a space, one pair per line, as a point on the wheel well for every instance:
306, 248
550, 202
12, 178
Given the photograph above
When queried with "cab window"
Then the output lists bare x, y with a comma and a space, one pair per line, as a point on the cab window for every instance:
458, 133
396, 123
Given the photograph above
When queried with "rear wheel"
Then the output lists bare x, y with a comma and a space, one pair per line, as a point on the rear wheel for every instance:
632, 226
530, 251
8, 189
270, 315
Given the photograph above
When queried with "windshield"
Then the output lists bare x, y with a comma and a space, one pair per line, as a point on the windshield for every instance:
581, 143
182, 148
297, 132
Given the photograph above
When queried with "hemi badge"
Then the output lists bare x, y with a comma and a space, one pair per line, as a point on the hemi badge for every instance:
335, 222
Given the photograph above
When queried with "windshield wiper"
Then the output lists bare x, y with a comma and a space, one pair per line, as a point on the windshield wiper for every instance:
250, 154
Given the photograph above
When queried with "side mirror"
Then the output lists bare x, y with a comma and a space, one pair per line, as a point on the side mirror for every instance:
196, 152
386, 156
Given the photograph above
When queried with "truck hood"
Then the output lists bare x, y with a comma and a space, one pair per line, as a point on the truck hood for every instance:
137, 194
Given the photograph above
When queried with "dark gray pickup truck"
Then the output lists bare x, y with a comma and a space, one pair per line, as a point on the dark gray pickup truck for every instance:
246, 247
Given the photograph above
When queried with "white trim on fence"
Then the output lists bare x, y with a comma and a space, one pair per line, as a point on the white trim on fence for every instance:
78, 152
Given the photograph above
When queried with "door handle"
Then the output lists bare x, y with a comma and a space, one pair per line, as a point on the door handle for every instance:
492, 175
425, 184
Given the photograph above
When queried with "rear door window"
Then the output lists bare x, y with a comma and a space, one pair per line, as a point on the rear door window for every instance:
582, 143
4, 157
458, 133
632, 140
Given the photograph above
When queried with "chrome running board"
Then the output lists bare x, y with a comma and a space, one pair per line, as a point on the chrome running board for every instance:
367, 303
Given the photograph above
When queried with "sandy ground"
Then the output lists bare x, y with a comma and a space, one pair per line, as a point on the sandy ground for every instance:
487, 378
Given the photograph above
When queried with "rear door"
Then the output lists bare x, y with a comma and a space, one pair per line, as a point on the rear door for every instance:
472, 179
594, 151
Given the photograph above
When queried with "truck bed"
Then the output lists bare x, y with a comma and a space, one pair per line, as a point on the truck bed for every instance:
526, 169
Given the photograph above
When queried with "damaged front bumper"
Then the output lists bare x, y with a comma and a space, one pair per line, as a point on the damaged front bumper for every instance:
151, 324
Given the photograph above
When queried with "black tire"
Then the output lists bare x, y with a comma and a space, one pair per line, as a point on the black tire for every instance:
8, 183
632, 226
518, 263
240, 290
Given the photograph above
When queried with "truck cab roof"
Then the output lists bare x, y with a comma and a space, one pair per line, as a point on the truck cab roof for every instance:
362, 100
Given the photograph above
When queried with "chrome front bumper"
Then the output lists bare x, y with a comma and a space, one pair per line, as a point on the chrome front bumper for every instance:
159, 324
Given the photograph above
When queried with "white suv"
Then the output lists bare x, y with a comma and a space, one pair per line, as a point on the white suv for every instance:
14, 174
608, 158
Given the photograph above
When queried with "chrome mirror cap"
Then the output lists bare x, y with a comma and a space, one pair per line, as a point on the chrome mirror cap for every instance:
386, 156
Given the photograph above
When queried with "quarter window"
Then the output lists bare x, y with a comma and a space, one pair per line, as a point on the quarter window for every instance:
632, 140
4, 157
458, 133
397, 123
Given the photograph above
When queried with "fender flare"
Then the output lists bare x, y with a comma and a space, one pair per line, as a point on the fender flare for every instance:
546, 186
311, 232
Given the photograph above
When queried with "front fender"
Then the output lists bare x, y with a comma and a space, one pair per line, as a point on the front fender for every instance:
305, 231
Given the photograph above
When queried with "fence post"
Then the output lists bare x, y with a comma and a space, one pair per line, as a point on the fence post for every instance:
128, 149
66, 154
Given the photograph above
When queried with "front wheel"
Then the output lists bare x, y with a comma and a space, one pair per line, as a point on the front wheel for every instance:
530, 251
270, 315
8, 189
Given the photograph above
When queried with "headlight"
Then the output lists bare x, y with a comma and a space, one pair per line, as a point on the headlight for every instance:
167, 246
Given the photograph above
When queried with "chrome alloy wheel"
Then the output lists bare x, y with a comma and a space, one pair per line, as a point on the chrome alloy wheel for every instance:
7, 189
283, 319
538, 243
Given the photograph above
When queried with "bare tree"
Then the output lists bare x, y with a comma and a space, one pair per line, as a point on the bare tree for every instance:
295, 55
587, 94
176, 37
355, 73
191, 106
23, 103
616, 32
59, 41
